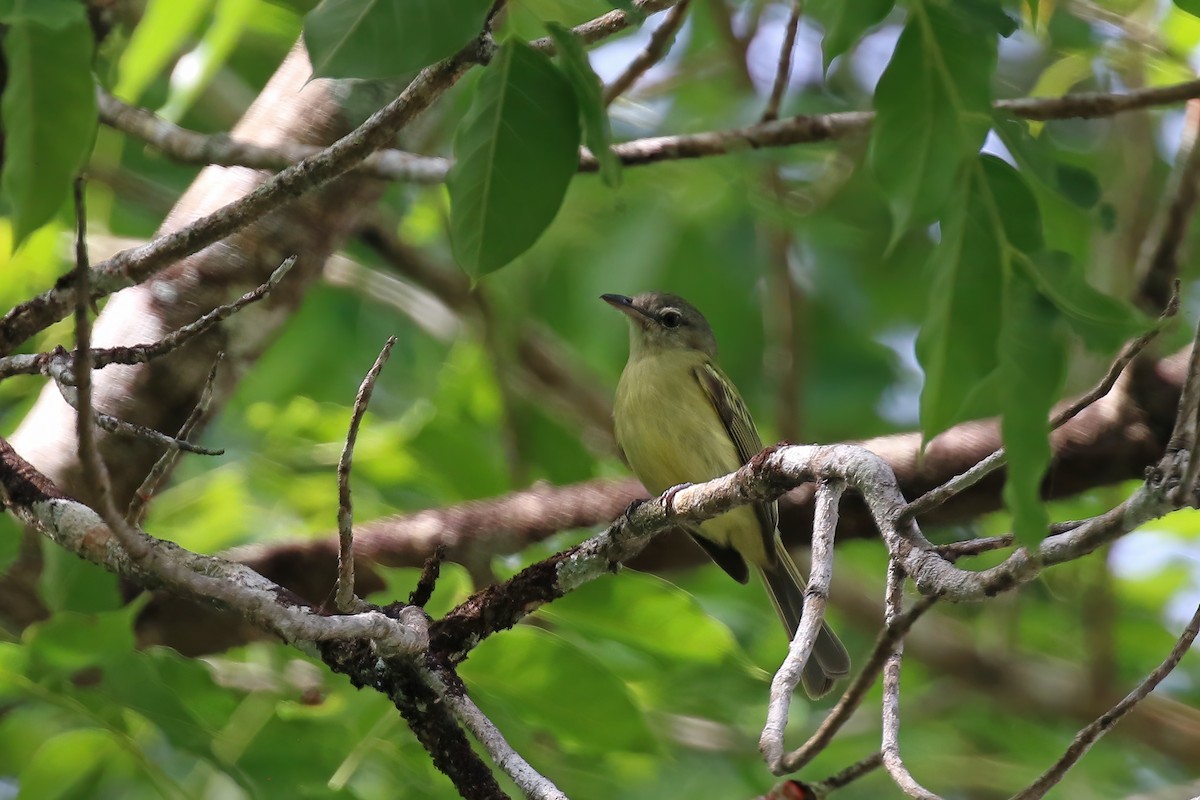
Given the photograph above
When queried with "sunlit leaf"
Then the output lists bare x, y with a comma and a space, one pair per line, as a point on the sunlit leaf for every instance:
49, 113
67, 765
516, 152
160, 35
386, 38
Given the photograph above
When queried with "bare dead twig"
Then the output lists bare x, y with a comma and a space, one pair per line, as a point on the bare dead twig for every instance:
1089, 735
95, 475
890, 747
660, 43
858, 769
1159, 260
784, 70
891, 633
787, 677
41, 363
423, 591
158, 473
344, 597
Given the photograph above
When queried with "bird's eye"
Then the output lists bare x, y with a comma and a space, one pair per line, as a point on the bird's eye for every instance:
671, 318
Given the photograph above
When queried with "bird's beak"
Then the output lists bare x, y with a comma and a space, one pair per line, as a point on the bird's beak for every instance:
625, 305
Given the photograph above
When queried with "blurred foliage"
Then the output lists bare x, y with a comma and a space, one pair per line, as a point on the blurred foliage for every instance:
636, 687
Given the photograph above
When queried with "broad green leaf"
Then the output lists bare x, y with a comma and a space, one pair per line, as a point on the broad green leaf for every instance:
956, 346
69, 583
68, 765
71, 641
648, 613
194, 73
1008, 197
547, 683
933, 109
996, 219
49, 113
597, 133
159, 36
846, 22
1190, 6
54, 14
386, 38
516, 151
1033, 363
1104, 323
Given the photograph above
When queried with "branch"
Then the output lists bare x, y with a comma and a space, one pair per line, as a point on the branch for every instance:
784, 70
787, 677
344, 597
889, 749
136, 265
660, 43
1107, 721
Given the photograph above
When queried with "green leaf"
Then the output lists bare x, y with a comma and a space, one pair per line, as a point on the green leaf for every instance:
49, 113
1033, 363
69, 583
956, 346
230, 20
1104, 323
161, 33
55, 14
648, 613
544, 681
1011, 200
1189, 6
68, 765
516, 151
597, 133
846, 22
386, 38
933, 109
70, 641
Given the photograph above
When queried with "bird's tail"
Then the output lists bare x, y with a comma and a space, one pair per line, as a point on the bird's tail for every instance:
785, 585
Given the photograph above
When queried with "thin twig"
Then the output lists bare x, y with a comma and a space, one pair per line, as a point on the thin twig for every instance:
1089, 735
40, 363
344, 597
95, 475
1161, 254
960, 483
890, 747
858, 769
891, 633
657, 48
423, 591
784, 71
787, 677
531, 782
149, 488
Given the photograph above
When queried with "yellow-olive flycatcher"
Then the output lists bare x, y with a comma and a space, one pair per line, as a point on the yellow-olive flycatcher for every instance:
680, 420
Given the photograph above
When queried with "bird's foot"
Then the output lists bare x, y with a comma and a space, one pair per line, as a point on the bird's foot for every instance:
668, 497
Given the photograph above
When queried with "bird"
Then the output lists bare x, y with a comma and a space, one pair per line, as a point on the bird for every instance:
680, 420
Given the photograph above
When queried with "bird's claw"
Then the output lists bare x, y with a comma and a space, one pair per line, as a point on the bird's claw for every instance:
668, 497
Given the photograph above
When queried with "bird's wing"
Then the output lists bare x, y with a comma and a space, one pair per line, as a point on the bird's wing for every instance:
740, 425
